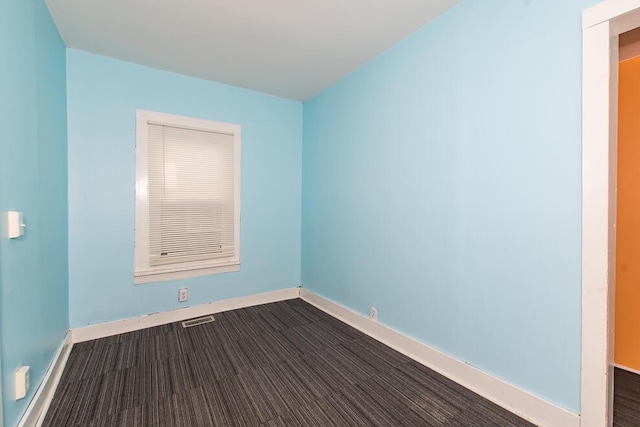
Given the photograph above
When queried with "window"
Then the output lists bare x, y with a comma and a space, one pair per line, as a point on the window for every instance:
187, 197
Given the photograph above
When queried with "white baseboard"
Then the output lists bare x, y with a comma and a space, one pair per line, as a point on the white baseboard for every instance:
34, 415
102, 330
626, 368
514, 399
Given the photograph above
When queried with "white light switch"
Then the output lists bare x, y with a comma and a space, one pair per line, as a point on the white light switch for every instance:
22, 382
15, 224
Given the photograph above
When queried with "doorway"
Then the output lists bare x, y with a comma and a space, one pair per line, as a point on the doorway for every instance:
626, 354
602, 24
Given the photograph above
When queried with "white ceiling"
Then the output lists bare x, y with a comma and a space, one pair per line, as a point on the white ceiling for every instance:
289, 48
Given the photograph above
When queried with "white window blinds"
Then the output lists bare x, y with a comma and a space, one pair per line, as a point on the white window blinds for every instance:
191, 195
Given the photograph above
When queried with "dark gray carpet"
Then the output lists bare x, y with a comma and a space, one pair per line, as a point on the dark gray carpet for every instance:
281, 364
626, 399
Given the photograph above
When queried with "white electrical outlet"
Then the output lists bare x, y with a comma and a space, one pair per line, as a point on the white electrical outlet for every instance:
183, 294
23, 382
374, 314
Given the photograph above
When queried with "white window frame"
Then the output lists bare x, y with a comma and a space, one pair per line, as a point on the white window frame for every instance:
143, 272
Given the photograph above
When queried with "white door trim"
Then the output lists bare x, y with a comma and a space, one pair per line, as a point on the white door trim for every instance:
601, 26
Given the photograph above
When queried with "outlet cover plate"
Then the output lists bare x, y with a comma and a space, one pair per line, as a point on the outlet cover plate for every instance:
22, 382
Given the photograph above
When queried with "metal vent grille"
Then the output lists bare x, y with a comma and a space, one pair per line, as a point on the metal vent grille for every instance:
198, 321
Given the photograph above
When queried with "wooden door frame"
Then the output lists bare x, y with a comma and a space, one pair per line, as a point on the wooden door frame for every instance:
601, 26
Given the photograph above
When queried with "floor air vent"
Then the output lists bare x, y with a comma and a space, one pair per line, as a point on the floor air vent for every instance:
198, 321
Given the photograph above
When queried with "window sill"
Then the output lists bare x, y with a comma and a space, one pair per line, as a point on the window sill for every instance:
174, 273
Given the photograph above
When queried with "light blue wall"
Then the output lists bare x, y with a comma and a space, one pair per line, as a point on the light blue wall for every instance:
103, 95
442, 184
33, 179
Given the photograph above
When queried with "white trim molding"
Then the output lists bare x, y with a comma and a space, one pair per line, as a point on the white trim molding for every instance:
185, 272
626, 368
102, 330
498, 391
612, 11
601, 26
37, 409
173, 266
